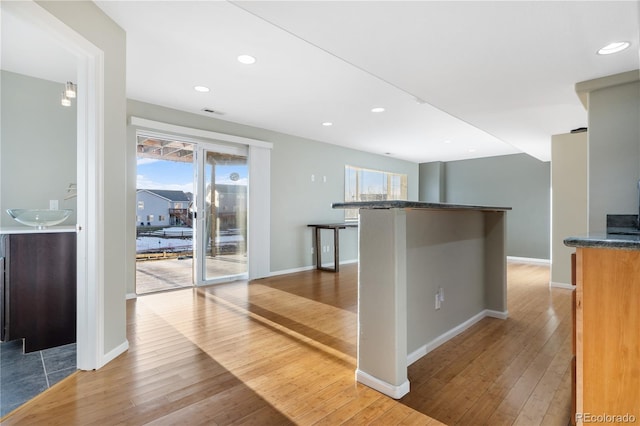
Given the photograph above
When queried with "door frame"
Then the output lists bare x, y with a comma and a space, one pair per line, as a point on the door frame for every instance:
90, 172
200, 251
259, 197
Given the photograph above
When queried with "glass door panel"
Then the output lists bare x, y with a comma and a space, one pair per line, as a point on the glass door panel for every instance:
222, 218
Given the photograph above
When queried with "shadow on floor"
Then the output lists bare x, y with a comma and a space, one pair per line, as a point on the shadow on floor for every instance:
24, 376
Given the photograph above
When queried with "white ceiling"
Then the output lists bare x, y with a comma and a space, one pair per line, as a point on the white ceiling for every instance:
493, 77
28, 50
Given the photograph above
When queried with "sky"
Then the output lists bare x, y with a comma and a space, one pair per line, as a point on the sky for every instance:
173, 175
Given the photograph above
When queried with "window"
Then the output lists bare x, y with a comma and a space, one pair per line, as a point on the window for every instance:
161, 218
372, 185
140, 205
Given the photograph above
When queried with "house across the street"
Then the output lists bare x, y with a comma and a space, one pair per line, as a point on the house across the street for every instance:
159, 207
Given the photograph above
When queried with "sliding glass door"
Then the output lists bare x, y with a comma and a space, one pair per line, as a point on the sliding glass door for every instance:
221, 214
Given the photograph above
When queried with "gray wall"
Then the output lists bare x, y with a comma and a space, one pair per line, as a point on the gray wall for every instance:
614, 152
37, 146
296, 200
569, 188
432, 182
518, 181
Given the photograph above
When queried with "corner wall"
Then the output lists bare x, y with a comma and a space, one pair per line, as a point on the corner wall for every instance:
569, 192
518, 181
92, 24
614, 152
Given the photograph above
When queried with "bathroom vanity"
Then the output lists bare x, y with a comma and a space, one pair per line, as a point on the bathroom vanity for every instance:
38, 286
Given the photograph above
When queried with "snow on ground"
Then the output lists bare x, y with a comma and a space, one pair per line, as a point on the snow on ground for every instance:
150, 243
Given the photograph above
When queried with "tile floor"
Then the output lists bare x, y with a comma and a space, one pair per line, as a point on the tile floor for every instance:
23, 376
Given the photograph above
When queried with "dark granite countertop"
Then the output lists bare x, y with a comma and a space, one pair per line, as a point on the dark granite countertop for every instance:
398, 204
622, 233
605, 241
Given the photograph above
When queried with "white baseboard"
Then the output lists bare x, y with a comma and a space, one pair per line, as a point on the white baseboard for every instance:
395, 392
443, 338
131, 296
309, 268
291, 271
561, 285
529, 260
112, 354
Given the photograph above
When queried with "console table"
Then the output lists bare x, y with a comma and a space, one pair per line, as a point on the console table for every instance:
336, 227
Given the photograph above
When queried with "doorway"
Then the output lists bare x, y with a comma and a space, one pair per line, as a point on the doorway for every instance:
191, 213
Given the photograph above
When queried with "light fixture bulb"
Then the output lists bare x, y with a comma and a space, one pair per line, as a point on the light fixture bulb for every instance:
377, 109
246, 59
201, 89
327, 124
614, 47
70, 90
64, 99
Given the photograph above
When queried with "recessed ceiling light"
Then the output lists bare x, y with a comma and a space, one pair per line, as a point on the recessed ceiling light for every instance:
246, 59
327, 124
614, 47
203, 89
472, 150
377, 109
447, 141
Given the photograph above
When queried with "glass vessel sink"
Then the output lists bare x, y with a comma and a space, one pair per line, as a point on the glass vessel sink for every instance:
39, 218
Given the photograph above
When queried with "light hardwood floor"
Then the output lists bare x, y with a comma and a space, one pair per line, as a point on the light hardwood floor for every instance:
282, 351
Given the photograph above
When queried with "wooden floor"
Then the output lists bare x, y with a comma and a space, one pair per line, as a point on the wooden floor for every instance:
282, 351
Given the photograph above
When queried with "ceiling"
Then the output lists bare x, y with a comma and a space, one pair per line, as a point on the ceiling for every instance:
457, 79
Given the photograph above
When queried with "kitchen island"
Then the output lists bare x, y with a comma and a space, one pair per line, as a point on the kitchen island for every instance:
606, 380
427, 271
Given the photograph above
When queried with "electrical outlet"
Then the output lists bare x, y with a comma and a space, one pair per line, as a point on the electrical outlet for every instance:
53, 204
441, 294
437, 301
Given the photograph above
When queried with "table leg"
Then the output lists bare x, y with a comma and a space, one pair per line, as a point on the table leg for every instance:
318, 248
336, 249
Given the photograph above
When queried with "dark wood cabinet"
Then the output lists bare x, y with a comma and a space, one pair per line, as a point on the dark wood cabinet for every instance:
39, 289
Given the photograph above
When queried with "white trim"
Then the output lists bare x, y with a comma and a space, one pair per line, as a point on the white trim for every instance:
90, 142
565, 286
308, 268
130, 296
115, 352
166, 127
443, 338
292, 271
395, 392
529, 260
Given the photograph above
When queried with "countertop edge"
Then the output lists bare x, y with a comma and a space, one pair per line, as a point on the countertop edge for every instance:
399, 204
30, 230
604, 241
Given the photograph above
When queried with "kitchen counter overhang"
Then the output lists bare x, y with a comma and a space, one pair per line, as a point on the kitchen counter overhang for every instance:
400, 204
